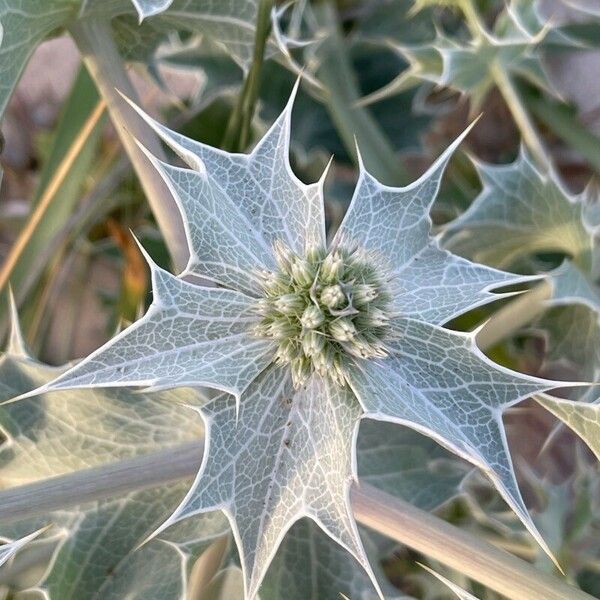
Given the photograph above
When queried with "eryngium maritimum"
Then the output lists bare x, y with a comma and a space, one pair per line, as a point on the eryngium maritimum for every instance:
305, 339
321, 307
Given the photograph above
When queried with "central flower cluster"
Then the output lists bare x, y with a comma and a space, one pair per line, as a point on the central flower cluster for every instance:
322, 307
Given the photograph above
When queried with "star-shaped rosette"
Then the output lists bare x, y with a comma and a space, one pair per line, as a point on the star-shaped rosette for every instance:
304, 340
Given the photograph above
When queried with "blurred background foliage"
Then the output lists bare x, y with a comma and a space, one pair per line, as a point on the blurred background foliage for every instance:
371, 73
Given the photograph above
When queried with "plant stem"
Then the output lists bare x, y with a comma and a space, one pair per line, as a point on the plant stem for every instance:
505, 84
426, 533
237, 135
522, 119
562, 120
472, 18
100, 55
511, 317
354, 124
49, 194
471, 556
99, 483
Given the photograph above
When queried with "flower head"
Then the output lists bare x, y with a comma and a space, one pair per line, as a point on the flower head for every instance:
324, 307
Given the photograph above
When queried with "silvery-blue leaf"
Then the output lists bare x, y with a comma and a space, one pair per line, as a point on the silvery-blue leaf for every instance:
522, 210
582, 417
93, 545
261, 184
458, 591
394, 224
147, 8
9, 549
309, 564
282, 447
277, 457
437, 382
190, 336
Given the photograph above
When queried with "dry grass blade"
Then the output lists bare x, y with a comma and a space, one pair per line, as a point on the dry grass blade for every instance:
50, 193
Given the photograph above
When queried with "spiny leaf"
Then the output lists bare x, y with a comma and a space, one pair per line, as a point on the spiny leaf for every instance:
68, 431
582, 418
147, 8
309, 564
202, 336
290, 456
437, 382
521, 211
395, 459
456, 589
260, 185
427, 282
277, 453
160, 569
470, 66
9, 549
24, 24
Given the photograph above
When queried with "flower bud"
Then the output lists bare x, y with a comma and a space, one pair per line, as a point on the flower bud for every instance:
377, 318
343, 330
284, 256
314, 254
333, 296
263, 307
332, 268
363, 294
281, 330
323, 361
289, 304
303, 272
312, 343
287, 351
275, 284
312, 317
338, 373
301, 371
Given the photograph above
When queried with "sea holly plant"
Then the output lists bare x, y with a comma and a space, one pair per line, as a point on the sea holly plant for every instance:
26, 23
117, 424
305, 338
488, 58
525, 212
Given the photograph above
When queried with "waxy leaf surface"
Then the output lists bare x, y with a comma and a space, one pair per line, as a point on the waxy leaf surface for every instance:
276, 454
24, 24
93, 545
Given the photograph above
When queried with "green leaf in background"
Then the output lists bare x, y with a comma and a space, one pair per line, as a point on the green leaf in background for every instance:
487, 59
583, 419
522, 211
95, 553
24, 24
308, 560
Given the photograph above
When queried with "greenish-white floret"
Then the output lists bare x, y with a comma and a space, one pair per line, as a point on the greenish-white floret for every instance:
322, 307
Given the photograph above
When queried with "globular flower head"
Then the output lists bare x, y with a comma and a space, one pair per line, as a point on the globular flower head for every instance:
322, 307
